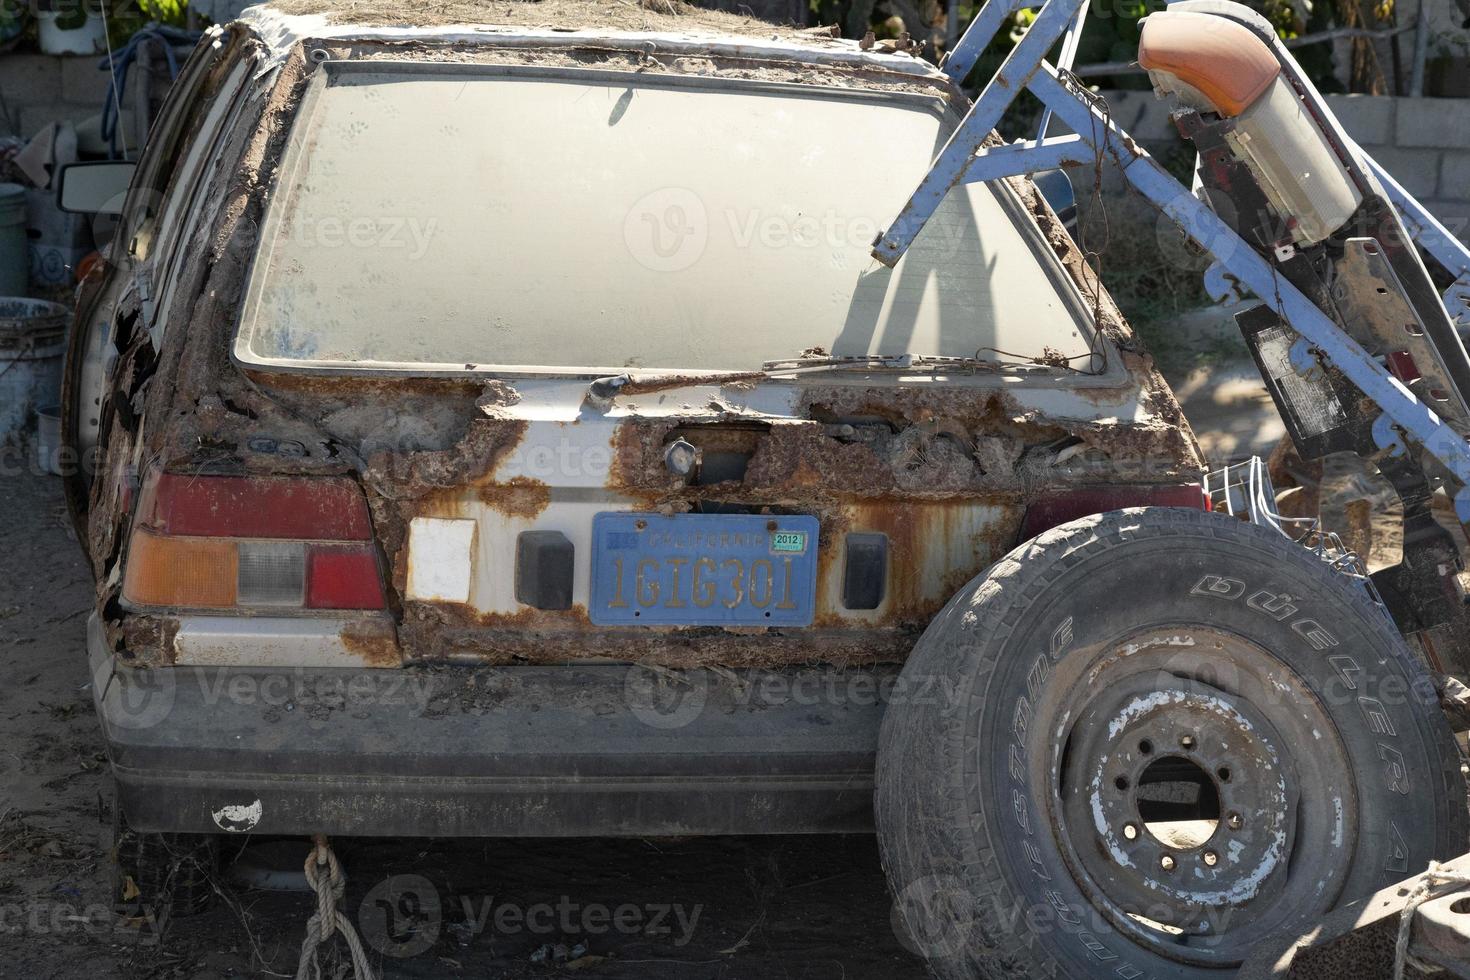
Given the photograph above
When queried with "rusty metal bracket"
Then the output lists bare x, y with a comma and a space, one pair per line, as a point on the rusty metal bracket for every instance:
1359, 940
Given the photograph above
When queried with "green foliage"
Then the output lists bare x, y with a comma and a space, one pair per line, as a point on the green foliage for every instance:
127, 19
1111, 32
13, 16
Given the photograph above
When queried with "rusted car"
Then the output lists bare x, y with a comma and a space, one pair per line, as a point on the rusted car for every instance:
506, 431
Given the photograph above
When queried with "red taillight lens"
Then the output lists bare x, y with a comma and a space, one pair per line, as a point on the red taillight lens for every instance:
342, 578
210, 542
305, 508
1050, 510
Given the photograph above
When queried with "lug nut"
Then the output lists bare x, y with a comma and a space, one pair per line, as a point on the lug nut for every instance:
1167, 862
1130, 831
1187, 742
1233, 821
1211, 859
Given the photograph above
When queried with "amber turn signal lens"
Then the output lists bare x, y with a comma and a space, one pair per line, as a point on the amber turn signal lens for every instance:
176, 571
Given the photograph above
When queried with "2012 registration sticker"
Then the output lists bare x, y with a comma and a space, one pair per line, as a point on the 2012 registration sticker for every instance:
788, 542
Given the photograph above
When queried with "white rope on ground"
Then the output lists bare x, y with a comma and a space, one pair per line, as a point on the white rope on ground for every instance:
1434, 876
328, 918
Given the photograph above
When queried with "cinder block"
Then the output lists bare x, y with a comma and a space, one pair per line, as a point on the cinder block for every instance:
1368, 119
1454, 176
82, 81
1454, 214
1433, 122
34, 118
29, 79
1142, 115
1416, 169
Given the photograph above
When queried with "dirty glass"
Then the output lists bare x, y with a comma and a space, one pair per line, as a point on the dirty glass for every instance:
439, 218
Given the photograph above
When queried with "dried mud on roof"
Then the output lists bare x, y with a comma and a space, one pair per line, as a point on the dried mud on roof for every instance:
626, 15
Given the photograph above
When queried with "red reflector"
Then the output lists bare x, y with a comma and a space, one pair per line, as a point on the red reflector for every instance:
317, 508
1403, 367
1051, 510
342, 578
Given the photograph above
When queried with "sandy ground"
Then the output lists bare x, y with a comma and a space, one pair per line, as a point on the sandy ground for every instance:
698, 908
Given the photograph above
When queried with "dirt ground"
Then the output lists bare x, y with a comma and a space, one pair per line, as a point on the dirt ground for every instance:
696, 908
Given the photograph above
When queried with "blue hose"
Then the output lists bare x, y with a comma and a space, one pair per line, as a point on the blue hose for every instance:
122, 59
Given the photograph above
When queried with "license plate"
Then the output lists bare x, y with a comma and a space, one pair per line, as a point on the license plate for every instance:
703, 570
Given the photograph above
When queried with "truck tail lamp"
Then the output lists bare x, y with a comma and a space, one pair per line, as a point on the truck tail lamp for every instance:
267, 543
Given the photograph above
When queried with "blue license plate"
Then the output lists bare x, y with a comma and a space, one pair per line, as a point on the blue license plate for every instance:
703, 570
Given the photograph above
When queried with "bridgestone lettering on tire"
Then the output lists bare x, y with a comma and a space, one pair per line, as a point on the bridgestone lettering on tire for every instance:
1154, 740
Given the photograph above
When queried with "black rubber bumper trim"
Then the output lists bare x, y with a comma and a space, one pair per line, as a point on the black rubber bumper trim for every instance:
598, 750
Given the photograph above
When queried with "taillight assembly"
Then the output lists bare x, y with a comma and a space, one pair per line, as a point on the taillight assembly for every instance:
267, 543
1050, 510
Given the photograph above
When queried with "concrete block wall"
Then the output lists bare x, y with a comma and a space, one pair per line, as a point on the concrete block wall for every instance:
40, 88
1424, 143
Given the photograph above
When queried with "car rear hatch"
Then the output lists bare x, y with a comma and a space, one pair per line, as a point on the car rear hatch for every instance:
618, 380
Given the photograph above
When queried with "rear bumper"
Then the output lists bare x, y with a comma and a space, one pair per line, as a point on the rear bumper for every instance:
600, 750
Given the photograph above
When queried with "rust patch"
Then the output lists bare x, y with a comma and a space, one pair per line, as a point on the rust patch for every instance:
362, 387
149, 640
648, 386
454, 633
520, 496
495, 395
374, 640
934, 549
470, 461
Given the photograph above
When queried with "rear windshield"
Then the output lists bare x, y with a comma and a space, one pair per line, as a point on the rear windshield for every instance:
438, 217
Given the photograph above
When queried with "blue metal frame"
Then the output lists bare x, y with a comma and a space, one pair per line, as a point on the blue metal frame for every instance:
964, 160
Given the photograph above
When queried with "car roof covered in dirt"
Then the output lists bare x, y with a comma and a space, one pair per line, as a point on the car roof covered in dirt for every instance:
672, 25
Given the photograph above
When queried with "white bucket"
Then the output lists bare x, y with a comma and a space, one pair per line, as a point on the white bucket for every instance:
48, 439
89, 37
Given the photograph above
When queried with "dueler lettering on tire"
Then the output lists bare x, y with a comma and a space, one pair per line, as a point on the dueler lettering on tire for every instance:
1168, 737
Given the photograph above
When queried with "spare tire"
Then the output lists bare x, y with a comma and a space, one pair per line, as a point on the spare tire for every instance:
1146, 741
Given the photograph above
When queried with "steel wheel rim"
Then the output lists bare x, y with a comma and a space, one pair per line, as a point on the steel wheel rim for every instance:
1195, 700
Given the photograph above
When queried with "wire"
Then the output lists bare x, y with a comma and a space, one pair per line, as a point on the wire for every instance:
1097, 105
120, 62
